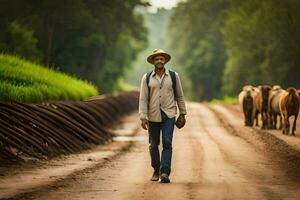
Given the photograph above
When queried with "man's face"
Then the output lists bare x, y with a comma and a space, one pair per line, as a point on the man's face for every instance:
159, 61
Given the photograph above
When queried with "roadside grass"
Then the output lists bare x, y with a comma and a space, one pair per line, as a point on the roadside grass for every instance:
123, 86
227, 100
23, 81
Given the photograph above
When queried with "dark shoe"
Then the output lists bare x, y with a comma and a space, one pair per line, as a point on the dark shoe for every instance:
155, 176
164, 178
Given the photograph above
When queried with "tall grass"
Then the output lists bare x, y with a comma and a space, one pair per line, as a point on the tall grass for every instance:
24, 81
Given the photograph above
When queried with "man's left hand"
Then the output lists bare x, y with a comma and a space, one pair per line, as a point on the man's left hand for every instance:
180, 122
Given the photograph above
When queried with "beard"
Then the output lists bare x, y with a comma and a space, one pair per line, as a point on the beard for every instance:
159, 65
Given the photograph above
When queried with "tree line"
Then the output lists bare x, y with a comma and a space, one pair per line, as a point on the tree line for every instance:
225, 44
94, 39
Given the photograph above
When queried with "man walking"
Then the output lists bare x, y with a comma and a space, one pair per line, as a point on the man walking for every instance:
160, 90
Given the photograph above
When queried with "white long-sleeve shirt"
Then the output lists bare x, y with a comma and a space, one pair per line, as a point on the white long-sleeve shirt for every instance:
161, 97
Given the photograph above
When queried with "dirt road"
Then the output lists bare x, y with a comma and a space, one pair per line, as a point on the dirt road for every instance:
210, 161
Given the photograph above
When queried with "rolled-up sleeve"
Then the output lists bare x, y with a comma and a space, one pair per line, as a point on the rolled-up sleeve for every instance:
143, 99
180, 96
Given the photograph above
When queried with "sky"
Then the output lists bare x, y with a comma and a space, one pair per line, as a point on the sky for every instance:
167, 4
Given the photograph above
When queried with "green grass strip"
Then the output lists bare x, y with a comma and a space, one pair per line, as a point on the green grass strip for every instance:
227, 100
23, 81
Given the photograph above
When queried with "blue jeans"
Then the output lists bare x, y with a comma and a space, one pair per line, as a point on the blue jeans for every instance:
167, 128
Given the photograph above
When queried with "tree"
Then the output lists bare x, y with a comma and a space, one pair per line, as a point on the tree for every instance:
94, 39
198, 43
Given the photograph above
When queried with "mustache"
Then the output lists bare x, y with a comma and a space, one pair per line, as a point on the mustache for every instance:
158, 64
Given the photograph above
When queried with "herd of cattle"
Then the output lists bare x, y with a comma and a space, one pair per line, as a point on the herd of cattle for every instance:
270, 103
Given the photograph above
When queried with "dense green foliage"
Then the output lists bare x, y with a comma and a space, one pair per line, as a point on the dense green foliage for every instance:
217, 46
225, 44
24, 81
94, 39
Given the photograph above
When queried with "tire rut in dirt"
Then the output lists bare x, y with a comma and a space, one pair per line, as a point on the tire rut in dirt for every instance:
278, 150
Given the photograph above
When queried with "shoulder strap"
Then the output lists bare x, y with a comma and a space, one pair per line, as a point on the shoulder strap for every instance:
148, 77
173, 77
147, 81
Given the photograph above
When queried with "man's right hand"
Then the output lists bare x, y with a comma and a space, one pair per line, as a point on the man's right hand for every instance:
145, 124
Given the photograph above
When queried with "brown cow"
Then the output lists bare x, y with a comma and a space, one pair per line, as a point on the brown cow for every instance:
256, 93
262, 101
274, 110
246, 100
289, 106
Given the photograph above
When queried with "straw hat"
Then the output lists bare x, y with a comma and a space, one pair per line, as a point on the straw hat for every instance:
158, 52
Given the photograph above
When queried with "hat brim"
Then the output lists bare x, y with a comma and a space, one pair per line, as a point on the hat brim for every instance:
150, 58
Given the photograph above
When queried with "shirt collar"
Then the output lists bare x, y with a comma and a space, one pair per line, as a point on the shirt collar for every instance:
166, 72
